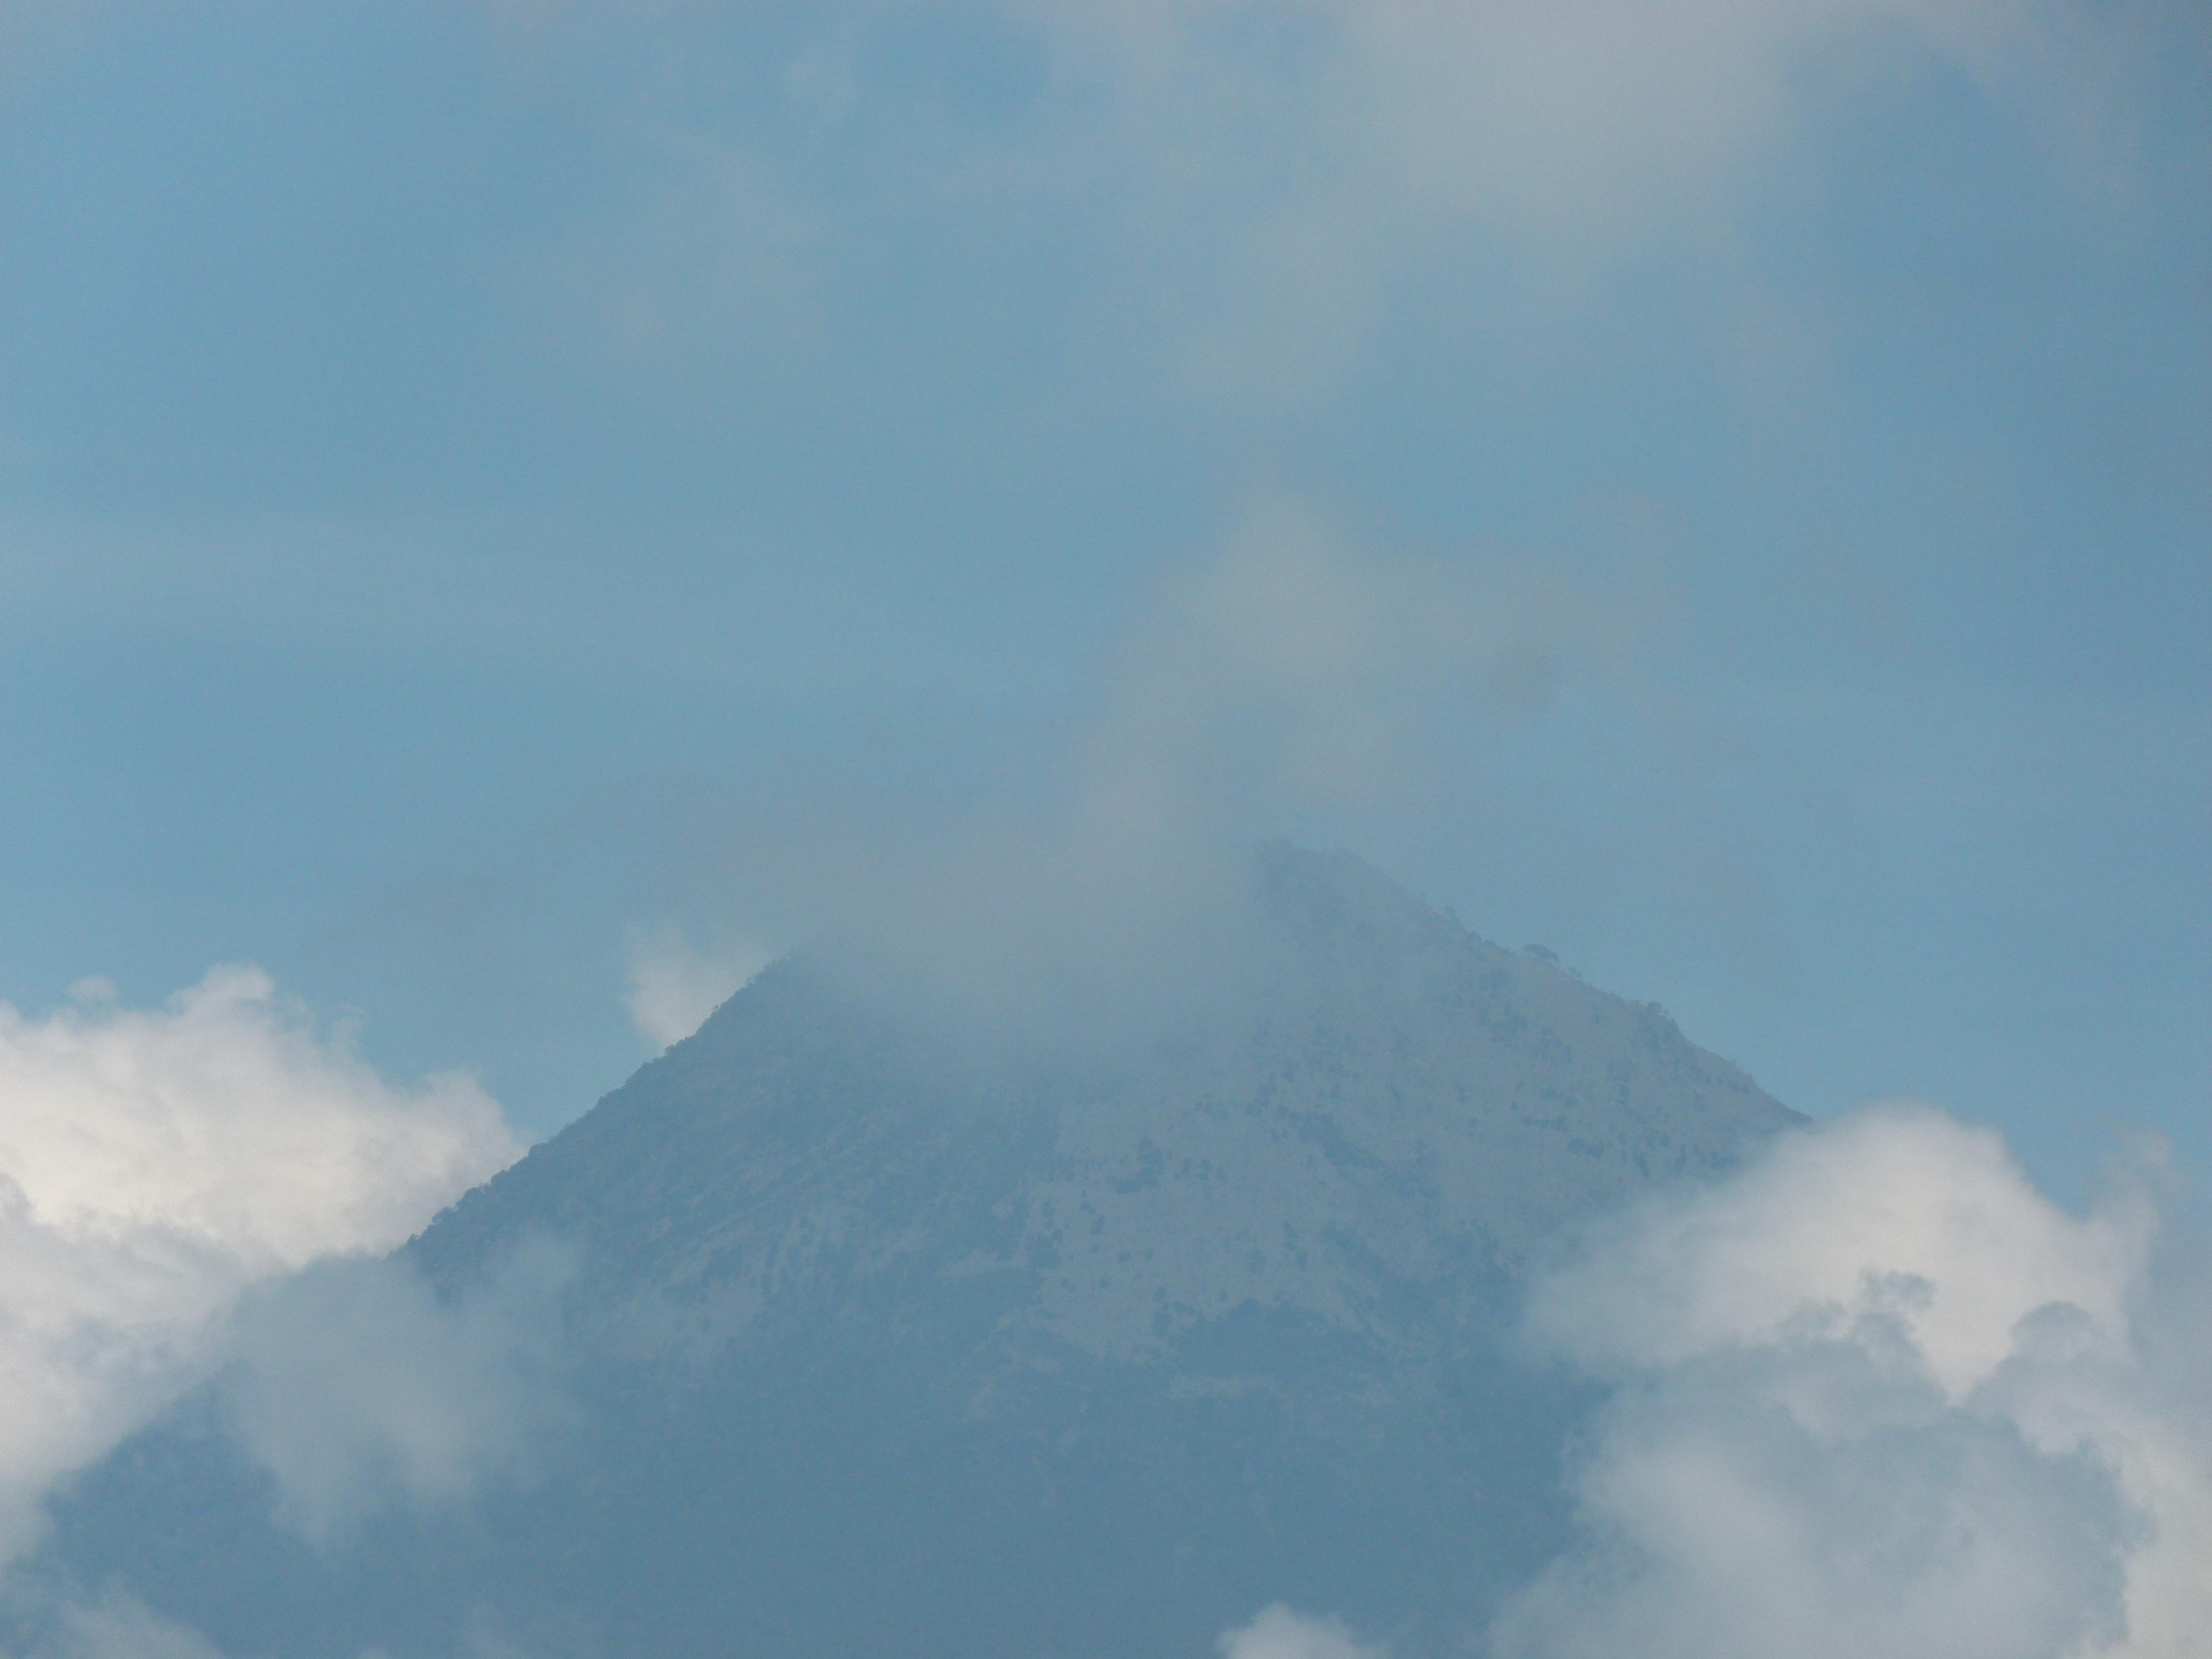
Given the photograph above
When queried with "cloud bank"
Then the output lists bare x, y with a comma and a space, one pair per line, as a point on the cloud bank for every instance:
1876, 1395
156, 1163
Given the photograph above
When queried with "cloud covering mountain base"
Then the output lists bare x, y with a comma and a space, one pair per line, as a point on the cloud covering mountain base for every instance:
1877, 1395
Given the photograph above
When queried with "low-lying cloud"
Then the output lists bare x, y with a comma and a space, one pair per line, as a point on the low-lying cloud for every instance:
358, 1388
156, 1163
1878, 1396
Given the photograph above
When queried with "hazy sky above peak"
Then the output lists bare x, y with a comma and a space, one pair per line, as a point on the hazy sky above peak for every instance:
507, 511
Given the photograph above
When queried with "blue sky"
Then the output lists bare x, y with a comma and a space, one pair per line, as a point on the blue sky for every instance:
482, 486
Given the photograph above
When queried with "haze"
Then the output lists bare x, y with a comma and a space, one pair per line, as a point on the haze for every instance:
517, 515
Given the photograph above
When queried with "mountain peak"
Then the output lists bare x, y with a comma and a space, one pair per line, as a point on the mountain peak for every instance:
1385, 1079
1082, 1351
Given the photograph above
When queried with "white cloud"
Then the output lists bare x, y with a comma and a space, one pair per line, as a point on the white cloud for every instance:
1280, 1633
674, 985
154, 1163
1879, 1395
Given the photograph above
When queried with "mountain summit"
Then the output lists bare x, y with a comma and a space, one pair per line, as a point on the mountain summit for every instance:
883, 1341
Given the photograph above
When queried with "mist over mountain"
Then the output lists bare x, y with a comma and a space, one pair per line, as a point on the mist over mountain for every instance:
875, 1336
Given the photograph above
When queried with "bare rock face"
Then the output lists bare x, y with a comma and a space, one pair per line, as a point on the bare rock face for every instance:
886, 1341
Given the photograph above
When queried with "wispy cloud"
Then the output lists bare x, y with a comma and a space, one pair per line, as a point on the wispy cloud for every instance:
675, 983
1299, 672
1284, 168
118, 1627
